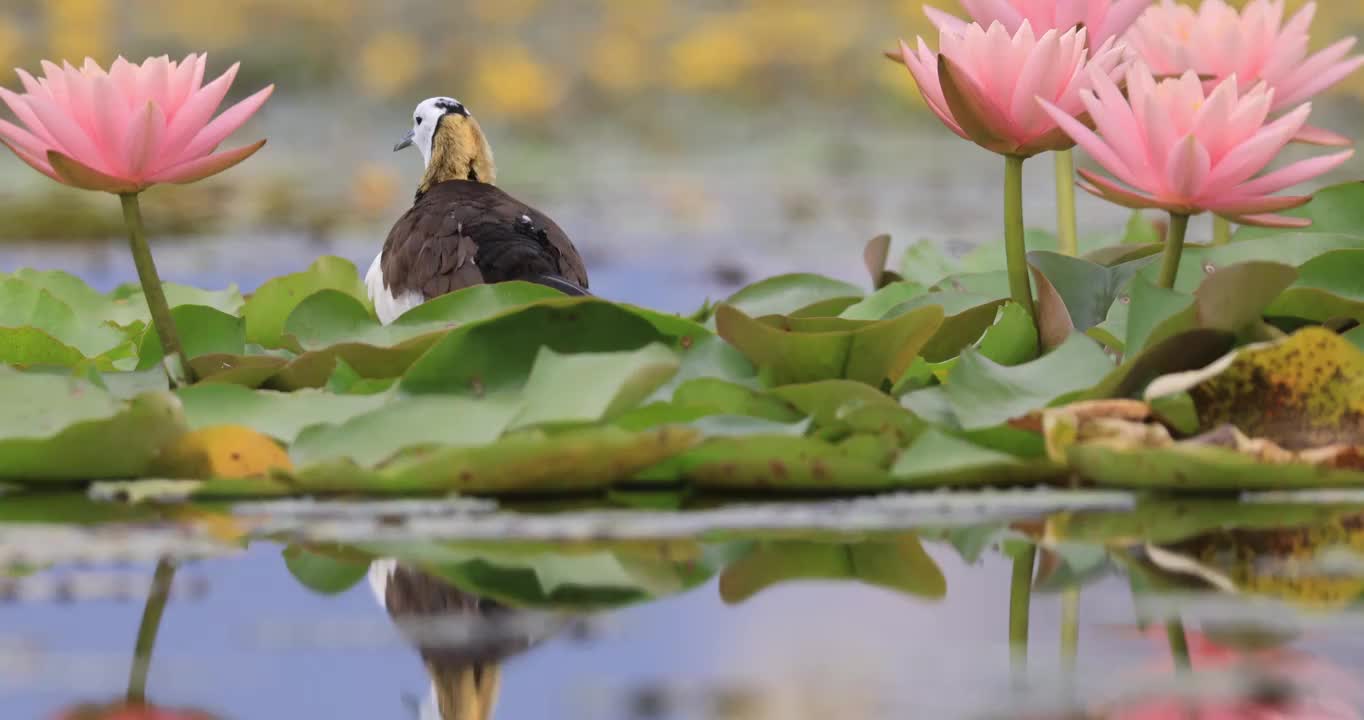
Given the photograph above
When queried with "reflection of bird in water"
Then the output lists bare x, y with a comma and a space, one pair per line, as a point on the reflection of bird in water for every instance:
466, 670
463, 230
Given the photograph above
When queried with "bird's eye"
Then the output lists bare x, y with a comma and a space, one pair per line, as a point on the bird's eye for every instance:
419, 121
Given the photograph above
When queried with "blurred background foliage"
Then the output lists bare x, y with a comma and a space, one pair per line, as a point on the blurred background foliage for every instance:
667, 99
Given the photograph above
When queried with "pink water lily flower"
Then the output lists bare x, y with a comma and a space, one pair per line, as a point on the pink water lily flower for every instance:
127, 129
983, 84
1103, 19
1172, 147
1253, 44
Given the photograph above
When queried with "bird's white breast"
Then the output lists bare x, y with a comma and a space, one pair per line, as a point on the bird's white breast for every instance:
386, 304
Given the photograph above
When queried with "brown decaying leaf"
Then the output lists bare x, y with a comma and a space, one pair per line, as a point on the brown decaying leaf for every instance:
1304, 391
1054, 324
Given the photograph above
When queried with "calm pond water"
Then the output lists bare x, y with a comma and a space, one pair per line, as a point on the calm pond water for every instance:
704, 613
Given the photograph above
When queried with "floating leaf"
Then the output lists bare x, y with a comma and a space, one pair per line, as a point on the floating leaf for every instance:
498, 353
937, 459
1233, 299
1054, 323
875, 256
1088, 289
270, 306
56, 428
793, 350
202, 331
774, 463
880, 303
784, 294
402, 423
894, 563
25, 307
984, 393
280, 415
925, 263
530, 462
223, 451
592, 387
1304, 391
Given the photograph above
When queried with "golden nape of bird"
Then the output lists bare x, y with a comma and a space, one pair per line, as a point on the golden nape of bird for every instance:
462, 229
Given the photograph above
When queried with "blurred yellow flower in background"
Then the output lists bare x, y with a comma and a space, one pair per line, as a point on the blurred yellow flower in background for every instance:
11, 43
619, 63
717, 54
389, 62
508, 80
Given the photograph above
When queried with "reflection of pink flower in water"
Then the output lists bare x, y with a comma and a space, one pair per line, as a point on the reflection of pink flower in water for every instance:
129, 711
1323, 691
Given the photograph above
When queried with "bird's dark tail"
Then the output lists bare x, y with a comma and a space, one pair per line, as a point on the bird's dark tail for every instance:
561, 284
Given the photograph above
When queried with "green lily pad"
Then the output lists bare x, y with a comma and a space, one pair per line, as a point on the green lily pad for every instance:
1186, 467
592, 387
1286, 248
25, 307
280, 415
794, 350
939, 459
57, 428
774, 463
1232, 299
984, 394
784, 294
925, 263
273, 302
403, 423
498, 353
1338, 209
894, 563
880, 303
586, 460
1165, 521
1088, 289
202, 331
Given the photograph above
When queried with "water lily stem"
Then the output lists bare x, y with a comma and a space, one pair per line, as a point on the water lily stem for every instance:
1067, 236
1179, 644
1070, 629
1221, 230
1016, 251
146, 632
151, 284
1020, 599
1174, 248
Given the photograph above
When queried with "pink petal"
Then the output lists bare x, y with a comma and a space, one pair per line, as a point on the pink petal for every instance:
227, 123
71, 139
31, 85
34, 161
76, 174
1114, 193
22, 139
983, 121
154, 81
1187, 168
181, 81
203, 167
1270, 221
80, 105
1092, 143
1251, 205
21, 110
143, 140
1291, 175
54, 79
1320, 72
1253, 155
111, 120
195, 114
124, 75
1120, 17
1310, 135
986, 12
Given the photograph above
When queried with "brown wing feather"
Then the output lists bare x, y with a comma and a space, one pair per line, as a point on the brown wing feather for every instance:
432, 248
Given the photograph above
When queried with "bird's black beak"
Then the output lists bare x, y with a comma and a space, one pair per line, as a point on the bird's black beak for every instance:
405, 142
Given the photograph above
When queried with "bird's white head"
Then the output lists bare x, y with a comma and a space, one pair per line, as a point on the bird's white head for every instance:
450, 141
425, 119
